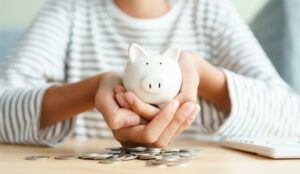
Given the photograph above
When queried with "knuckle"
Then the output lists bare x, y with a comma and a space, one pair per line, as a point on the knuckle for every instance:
188, 121
179, 119
113, 124
186, 124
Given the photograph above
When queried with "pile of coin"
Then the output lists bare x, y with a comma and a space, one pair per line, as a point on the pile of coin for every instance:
152, 156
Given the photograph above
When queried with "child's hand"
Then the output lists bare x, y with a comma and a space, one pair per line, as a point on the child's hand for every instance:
188, 92
183, 117
162, 127
126, 124
130, 101
106, 103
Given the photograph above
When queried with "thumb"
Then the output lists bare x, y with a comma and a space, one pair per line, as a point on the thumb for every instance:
190, 80
114, 116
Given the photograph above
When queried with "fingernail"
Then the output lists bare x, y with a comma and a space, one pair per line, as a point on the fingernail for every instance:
129, 98
174, 105
121, 89
133, 120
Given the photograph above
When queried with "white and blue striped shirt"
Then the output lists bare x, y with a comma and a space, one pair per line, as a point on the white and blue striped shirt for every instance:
74, 39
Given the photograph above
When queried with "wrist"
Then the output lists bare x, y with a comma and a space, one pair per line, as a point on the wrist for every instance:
66, 101
113, 78
213, 84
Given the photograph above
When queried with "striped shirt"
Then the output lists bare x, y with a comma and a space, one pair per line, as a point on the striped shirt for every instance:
71, 40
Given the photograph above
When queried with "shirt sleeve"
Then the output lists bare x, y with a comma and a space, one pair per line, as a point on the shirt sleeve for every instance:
262, 103
35, 64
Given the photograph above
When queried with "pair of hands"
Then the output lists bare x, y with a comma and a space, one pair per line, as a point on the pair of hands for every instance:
135, 123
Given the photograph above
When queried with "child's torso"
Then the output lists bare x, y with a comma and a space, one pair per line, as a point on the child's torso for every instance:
100, 37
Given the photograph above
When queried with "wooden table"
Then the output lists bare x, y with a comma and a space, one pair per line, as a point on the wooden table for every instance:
212, 159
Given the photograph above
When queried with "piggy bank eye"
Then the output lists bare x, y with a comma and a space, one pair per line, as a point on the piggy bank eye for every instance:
147, 63
160, 63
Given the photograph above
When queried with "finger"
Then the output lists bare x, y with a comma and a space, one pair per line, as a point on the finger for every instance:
119, 89
147, 135
125, 144
186, 123
122, 101
128, 118
155, 128
181, 115
128, 145
130, 135
143, 109
112, 114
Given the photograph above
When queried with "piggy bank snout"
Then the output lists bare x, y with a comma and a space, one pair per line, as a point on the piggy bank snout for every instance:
153, 83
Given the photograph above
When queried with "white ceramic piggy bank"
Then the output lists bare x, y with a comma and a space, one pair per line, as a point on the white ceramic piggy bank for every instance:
154, 77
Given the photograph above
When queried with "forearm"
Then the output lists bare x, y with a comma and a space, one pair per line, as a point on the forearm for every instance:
213, 84
64, 102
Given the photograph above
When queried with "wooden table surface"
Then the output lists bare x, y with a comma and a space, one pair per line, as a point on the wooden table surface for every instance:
212, 159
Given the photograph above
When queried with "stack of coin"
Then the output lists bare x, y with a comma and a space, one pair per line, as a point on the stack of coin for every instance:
37, 157
152, 156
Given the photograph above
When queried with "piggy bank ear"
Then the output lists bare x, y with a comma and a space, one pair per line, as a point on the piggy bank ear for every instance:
171, 53
136, 52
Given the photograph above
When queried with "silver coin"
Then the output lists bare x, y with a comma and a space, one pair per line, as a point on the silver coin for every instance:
189, 150
95, 156
170, 158
65, 157
146, 156
187, 155
171, 150
170, 154
157, 157
37, 157
136, 149
103, 156
136, 153
118, 157
129, 157
110, 160
154, 150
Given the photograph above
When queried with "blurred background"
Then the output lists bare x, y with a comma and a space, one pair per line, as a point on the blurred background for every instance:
16, 15
276, 23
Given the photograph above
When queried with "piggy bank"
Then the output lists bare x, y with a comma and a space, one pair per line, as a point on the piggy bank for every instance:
154, 77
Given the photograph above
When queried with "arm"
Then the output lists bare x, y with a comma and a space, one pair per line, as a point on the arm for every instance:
262, 104
24, 78
213, 84
61, 103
